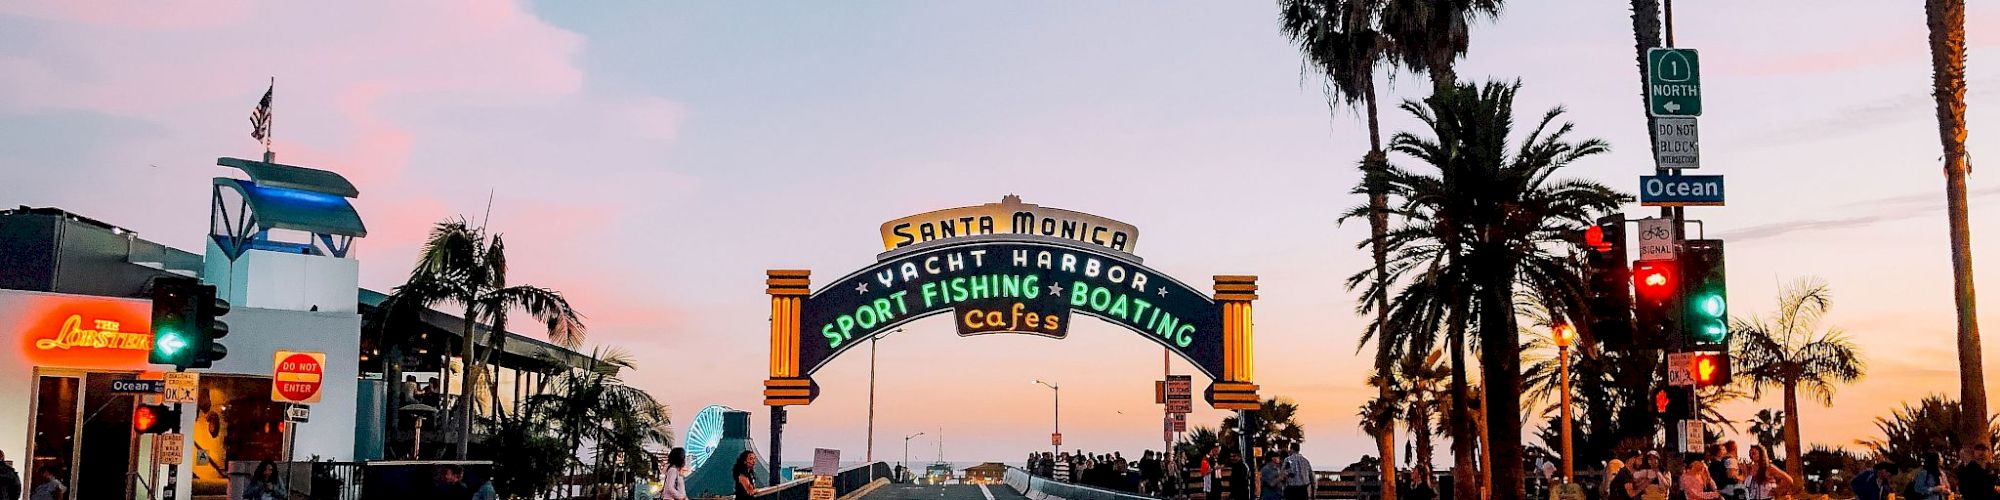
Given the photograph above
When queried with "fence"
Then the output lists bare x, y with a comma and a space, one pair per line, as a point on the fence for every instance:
847, 481
1038, 488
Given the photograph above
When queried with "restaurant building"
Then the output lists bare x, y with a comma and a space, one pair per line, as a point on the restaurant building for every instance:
75, 308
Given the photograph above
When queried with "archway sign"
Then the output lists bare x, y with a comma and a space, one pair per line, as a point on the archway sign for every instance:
1007, 268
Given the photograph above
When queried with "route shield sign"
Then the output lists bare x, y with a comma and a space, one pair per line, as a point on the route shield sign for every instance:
1680, 190
1676, 143
1673, 82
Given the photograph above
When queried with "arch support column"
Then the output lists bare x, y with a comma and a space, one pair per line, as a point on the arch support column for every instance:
1237, 389
787, 385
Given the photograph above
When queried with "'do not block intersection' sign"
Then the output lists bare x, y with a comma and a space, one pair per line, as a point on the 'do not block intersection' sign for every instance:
1009, 268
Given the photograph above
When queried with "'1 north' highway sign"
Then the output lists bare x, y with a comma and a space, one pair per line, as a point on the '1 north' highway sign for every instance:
1673, 82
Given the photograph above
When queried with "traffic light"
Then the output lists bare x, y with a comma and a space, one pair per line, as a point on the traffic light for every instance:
1707, 296
155, 419
1656, 289
1610, 301
208, 321
176, 333
1673, 402
1709, 369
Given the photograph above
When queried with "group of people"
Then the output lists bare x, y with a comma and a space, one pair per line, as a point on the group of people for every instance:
1108, 471
1285, 474
1973, 479
47, 482
1716, 475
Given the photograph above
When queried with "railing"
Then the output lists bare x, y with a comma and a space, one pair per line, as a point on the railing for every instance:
1038, 488
846, 481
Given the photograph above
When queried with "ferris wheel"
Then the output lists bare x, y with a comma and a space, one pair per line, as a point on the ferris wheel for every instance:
703, 434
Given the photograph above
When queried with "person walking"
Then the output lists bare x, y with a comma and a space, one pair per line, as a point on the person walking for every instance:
1930, 483
1211, 472
1975, 480
1873, 483
1298, 475
1272, 478
10, 479
1695, 483
1764, 481
51, 485
673, 482
745, 475
264, 484
1240, 481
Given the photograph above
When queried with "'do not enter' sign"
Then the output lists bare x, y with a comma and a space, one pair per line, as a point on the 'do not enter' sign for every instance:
295, 376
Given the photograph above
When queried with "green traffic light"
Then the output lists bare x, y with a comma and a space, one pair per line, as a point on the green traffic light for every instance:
170, 344
1713, 332
1712, 305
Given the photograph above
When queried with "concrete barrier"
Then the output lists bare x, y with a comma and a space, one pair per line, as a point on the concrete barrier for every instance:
1036, 488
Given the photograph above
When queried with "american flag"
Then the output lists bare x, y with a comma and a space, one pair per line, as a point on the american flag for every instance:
260, 119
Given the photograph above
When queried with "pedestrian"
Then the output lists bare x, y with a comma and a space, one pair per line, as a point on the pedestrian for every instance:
10, 479
1975, 478
673, 482
1239, 477
1420, 486
744, 474
1764, 481
264, 484
1620, 487
1646, 482
1727, 471
1695, 482
51, 486
1272, 478
1873, 483
1930, 483
1211, 471
450, 483
1298, 475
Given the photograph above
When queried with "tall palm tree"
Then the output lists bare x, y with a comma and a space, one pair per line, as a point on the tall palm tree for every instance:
463, 265
1424, 378
1339, 41
1495, 216
1790, 351
1646, 34
1946, 19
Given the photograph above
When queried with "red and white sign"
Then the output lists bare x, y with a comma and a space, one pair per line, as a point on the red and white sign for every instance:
295, 376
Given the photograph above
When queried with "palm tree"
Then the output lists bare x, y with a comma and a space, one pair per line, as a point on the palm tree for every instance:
1645, 36
1424, 379
1277, 424
463, 265
1768, 428
1485, 218
588, 408
1946, 19
1339, 41
1789, 352
1431, 35
1934, 425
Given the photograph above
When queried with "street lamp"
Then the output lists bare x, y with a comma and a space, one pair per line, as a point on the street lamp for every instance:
1058, 416
906, 455
871, 390
1564, 335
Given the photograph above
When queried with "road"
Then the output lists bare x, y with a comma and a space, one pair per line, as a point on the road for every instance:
947, 492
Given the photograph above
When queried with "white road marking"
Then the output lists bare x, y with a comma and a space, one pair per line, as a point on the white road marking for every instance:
987, 492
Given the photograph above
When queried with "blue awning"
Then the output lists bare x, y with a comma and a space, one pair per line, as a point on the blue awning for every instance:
309, 211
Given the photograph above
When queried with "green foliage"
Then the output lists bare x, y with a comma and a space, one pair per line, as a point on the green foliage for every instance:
1769, 428
1934, 425
1195, 441
528, 458
1277, 425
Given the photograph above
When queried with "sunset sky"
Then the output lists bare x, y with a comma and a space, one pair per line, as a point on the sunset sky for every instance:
652, 160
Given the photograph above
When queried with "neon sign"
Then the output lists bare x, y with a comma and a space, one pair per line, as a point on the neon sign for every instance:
103, 334
1009, 217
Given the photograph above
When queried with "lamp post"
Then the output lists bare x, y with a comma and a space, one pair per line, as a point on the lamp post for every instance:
871, 390
906, 455
1058, 415
1564, 335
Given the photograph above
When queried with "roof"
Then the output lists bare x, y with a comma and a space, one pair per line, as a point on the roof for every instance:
293, 177
286, 208
517, 344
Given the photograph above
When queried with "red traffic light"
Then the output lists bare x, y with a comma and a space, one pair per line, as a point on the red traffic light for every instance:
1654, 279
154, 419
1661, 400
1594, 237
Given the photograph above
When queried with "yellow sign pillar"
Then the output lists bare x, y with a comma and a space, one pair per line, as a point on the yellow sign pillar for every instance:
787, 386
1237, 389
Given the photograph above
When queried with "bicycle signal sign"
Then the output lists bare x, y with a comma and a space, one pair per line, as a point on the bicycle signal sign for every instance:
1656, 238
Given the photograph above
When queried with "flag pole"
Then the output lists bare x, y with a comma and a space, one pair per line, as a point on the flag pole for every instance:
270, 157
